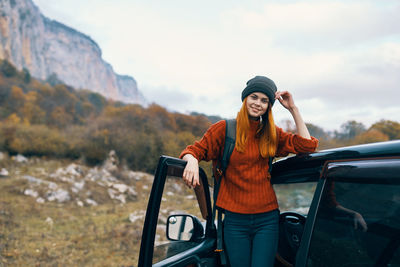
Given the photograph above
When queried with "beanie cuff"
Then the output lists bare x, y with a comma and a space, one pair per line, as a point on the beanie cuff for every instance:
261, 84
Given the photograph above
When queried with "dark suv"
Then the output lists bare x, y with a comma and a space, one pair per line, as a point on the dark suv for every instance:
339, 207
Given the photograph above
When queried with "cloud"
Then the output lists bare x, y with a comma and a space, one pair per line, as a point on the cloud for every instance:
330, 117
167, 97
320, 24
367, 76
336, 57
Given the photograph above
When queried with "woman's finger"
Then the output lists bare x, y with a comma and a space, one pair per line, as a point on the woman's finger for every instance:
195, 180
186, 177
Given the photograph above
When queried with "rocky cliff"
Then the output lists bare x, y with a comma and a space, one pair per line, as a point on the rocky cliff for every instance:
46, 48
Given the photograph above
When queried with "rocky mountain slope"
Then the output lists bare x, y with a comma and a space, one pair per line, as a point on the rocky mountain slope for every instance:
56, 212
47, 48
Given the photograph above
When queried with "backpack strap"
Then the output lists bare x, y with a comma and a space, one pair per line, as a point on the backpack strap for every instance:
230, 138
270, 164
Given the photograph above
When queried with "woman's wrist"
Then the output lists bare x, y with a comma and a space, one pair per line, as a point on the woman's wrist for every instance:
293, 109
188, 157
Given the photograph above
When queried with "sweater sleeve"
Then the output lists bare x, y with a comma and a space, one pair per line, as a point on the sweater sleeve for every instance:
210, 145
294, 143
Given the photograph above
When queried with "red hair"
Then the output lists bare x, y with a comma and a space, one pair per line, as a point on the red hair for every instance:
266, 131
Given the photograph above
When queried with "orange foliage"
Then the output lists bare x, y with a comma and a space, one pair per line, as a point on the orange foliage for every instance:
371, 136
37, 140
13, 119
17, 98
31, 96
60, 117
32, 113
161, 117
388, 127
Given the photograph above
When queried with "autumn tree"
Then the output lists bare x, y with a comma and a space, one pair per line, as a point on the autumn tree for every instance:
8, 69
388, 127
60, 117
53, 79
370, 136
38, 140
197, 125
97, 100
26, 75
13, 119
16, 99
162, 119
31, 112
174, 143
349, 130
64, 97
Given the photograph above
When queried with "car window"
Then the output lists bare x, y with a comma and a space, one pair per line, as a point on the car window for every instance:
357, 224
295, 197
177, 198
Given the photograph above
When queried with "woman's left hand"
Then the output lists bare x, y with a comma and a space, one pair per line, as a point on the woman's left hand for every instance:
286, 99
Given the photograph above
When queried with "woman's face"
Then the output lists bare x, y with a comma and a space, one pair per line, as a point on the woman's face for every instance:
257, 104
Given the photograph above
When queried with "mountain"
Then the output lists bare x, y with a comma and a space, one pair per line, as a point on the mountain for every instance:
47, 48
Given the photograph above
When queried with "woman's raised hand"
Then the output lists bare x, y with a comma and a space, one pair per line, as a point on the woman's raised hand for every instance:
286, 99
191, 172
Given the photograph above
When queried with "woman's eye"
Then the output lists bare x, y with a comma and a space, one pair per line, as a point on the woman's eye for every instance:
265, 100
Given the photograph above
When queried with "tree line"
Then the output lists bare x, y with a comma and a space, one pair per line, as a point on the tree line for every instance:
43, 118
48, 118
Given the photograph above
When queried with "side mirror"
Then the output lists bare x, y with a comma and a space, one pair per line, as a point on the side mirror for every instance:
184, 228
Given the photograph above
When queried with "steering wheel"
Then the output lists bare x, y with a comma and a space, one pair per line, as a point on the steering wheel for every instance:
291, 226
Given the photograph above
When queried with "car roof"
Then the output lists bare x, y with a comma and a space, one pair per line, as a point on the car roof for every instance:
311, 165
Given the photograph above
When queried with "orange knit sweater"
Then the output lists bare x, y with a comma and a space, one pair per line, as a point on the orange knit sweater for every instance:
246, 187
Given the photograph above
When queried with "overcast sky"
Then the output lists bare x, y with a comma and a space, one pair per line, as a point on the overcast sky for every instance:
340, 59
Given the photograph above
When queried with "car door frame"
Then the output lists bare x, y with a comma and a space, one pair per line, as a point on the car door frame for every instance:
326, 173
173, 166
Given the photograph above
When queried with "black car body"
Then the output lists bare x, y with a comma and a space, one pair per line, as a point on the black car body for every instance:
352, 217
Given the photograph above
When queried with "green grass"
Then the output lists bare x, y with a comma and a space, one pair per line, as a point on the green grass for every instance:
97, 236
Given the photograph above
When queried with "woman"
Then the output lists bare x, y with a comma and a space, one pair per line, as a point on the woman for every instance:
246, 194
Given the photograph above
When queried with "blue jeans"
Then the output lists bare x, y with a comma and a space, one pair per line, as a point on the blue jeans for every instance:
251, 239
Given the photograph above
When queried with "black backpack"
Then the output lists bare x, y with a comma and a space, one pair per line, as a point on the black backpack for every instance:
230, 140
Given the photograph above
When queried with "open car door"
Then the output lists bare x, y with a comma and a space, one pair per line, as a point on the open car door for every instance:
191, 242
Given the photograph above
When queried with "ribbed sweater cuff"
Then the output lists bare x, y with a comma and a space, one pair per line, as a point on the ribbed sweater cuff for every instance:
308, 144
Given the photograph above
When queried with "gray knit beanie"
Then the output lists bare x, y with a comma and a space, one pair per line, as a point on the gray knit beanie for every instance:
260, 84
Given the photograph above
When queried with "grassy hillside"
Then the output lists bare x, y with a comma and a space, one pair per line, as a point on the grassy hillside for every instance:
73, 232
